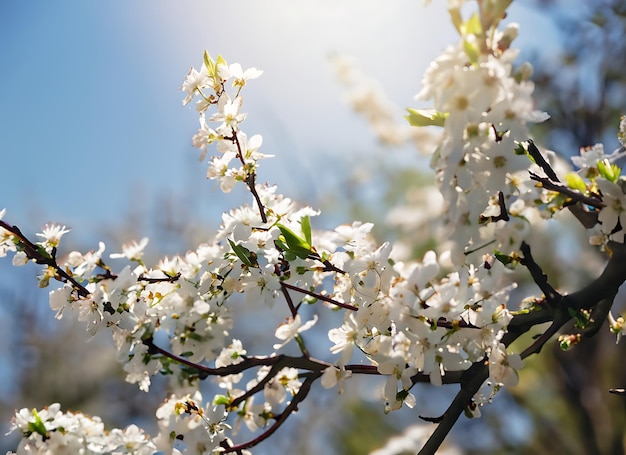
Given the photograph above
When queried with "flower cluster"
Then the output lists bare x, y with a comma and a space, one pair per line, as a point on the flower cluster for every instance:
50, 430
209, 84
599, 180
483, 104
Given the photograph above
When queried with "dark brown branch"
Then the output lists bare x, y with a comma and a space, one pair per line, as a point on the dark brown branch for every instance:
586, 218
292, 407
606, 285
471, 382
504, 214
541, 161
248, 362
167, 278
574, 195
33, 253
539, 277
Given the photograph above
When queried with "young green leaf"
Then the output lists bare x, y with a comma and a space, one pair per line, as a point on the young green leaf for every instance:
472, 26
306, 228
472, 51
242, 253
295, 244
209, 62
425, 117
575, 182
609, 171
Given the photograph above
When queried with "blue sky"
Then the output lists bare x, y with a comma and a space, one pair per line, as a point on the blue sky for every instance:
91, 117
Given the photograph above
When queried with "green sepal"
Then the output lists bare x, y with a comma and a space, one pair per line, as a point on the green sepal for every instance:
425, 117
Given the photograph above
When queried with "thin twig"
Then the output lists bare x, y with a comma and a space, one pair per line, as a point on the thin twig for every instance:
292, 407
290, 304
32, 252
250, 178
347, 306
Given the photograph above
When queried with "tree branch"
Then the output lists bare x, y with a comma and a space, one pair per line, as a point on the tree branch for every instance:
541, 161
574, 195
292, 407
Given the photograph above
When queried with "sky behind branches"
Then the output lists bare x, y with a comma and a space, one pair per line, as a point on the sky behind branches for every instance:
91, 117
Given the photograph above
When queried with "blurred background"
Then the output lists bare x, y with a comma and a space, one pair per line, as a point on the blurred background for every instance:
93, 135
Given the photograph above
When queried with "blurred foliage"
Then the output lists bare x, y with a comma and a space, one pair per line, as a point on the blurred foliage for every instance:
584, 90
583, 86
363, 429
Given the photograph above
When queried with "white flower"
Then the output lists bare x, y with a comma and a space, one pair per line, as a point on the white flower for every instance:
229, 113
333, 376
204, 137
132, 251
288, 330
617, 326
589, 156
52, 234
345, 338
194, 82
503, 366
240, 76
614, 210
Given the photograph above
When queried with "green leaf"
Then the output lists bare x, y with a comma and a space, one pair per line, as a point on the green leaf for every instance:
609, 171
281, 245
472, 51
242, 253
472, 26
457, 19
295, 244
209, 62
289, 256
221, 400
575, 182
508, 261
305, 222
211, 66
425, 117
